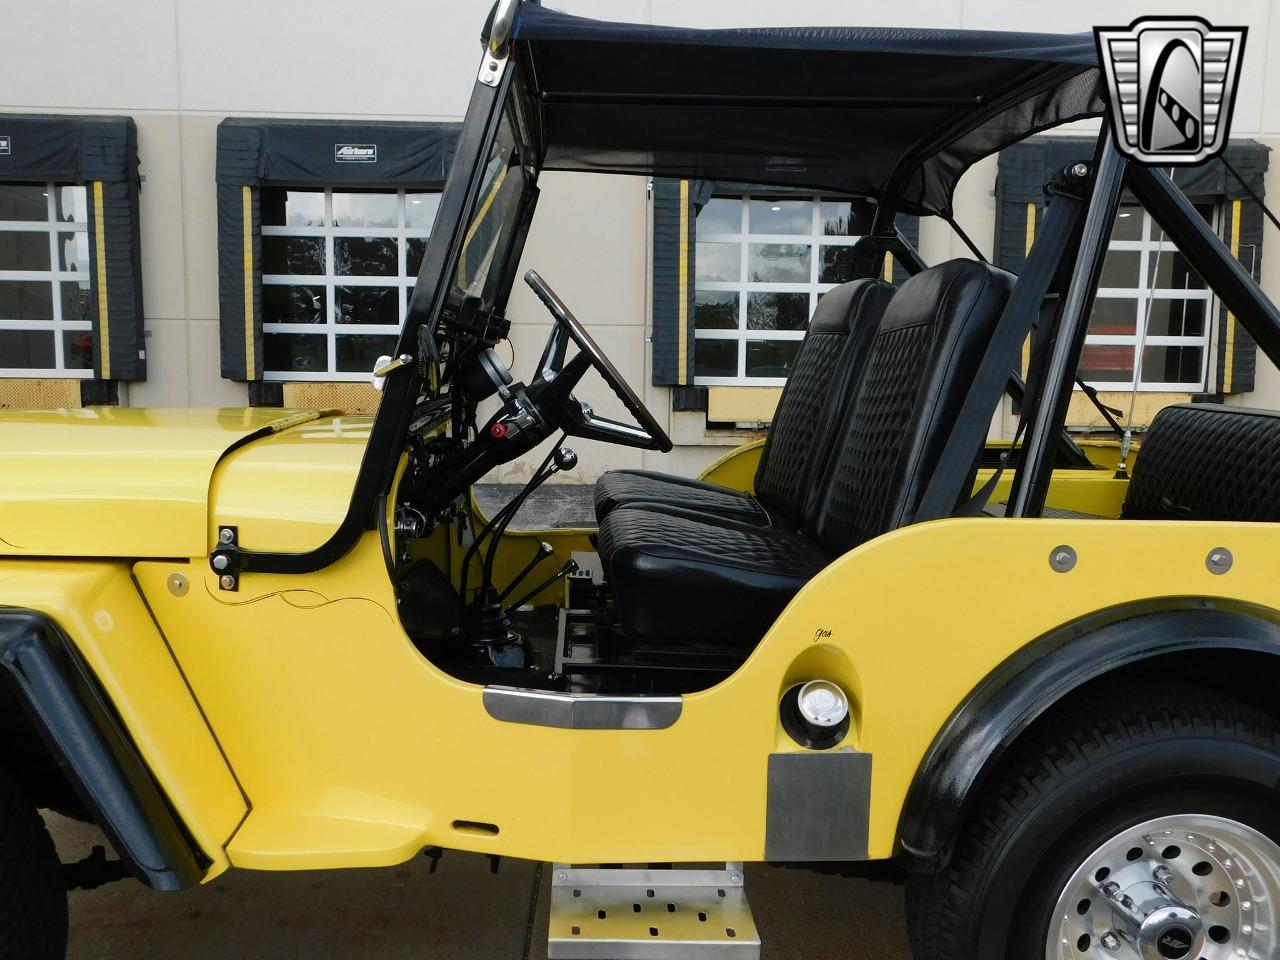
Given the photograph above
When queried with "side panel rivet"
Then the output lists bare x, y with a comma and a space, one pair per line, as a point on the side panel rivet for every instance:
1219, 560
227, 582
1062, 559
177, 584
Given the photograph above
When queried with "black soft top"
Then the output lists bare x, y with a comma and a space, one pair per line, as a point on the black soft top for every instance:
880, 112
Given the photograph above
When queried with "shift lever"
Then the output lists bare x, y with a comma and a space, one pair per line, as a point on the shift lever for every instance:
544, 550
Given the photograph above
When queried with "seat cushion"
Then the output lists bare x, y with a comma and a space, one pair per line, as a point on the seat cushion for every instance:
631, 487
685, 579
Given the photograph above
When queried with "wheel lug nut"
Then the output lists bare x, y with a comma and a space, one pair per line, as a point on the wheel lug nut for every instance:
1111, 941
1162, 875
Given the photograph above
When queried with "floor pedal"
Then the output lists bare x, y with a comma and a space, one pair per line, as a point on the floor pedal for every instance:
650, 914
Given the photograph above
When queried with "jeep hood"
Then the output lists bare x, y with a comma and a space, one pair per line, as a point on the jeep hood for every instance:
125, 482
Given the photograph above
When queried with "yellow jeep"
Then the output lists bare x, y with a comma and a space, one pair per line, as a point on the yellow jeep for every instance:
1039, 677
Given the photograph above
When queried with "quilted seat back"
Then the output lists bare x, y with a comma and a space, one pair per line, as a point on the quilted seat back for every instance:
920, 367
817, 389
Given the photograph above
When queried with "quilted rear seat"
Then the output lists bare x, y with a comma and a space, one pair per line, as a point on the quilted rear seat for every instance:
826, 367
681, 578
1206, 461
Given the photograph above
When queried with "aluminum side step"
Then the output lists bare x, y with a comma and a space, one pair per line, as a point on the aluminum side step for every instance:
650, 914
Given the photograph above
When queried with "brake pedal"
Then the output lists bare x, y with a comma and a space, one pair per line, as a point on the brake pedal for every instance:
650, 914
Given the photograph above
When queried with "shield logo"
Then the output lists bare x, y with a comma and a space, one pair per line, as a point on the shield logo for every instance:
1172, 83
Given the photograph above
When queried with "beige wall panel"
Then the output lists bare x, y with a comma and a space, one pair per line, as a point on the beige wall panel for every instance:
88, 55
206, 386
160, 215
200, 213
377, 57
768, 13
168, 382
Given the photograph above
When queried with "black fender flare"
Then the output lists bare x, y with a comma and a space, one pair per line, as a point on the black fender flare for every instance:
67, 706
1038, 676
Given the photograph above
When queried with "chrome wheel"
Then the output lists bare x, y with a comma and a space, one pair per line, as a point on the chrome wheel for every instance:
1193, 887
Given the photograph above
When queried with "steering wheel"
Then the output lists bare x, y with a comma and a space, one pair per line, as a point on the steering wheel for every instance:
553, 386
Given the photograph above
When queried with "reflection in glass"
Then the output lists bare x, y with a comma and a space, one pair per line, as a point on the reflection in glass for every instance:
24, 201
291, 208
718, 261
1171, 271
771, 358
420, 210
1128, 222
715, 358
781, 216
778, 262
715, 310
1176, 318
1106, 363
1167, 364
836, 219
720, 215
290, 303
26, 300
365, 257
367, 304
73, 205
296, 352
76, 301
1117, 316
358, 352
492, 224
73, 252
27, 349
77, 349
836, 266
416, 253
24, 251
296, 256
777, 311
365, 209
1120, 269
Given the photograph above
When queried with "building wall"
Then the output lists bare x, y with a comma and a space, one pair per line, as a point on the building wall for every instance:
178, 67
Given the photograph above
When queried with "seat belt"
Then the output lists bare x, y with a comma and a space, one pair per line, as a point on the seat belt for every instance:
955, 464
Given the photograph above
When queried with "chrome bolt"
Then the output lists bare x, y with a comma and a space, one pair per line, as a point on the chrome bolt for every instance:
562, 876
1080, 170
220, 562
1111, 941
734, 878
1062, 559
1162, 875
227, 581
1219, 560
177, 584
226, 535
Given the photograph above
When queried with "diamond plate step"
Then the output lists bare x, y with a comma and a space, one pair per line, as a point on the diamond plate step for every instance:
650, 914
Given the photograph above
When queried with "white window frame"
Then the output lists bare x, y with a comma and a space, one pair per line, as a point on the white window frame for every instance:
1153, 240
815, 239
55, 277
331, 280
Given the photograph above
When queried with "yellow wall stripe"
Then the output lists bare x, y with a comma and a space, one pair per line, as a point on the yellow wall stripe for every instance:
1230, 346
104, 321
1030, 239
683, 267
250, 367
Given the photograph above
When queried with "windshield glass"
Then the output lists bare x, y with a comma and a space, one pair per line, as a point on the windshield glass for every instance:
493, 224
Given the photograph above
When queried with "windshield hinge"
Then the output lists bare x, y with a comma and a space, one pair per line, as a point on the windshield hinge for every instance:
226, 559
491, 69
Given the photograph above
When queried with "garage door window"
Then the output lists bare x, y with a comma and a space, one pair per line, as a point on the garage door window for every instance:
338, 268
761, 264
45, 311
1146, 281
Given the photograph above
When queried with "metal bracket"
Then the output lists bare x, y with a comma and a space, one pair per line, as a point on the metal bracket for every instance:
226, 560
491, 69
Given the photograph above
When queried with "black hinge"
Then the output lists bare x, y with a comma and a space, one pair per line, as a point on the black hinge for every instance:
226, 559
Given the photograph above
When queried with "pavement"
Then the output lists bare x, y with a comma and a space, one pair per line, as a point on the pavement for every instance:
551, 505
461, 911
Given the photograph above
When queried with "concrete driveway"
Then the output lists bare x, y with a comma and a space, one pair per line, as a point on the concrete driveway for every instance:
460, 911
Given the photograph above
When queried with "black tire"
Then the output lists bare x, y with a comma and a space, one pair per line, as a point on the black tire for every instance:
1119, 757
33, 900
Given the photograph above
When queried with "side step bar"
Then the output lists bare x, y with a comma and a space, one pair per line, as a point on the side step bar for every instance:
650, 914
